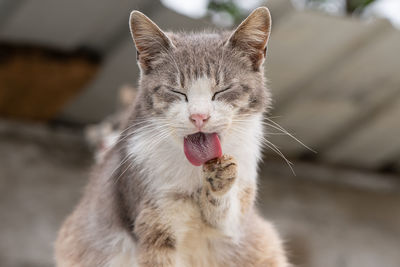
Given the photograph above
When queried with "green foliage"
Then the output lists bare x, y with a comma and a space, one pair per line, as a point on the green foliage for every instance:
352, 6
357, 5
226, 6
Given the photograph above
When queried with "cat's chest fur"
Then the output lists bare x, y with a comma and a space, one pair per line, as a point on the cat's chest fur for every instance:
197, 245
173, 185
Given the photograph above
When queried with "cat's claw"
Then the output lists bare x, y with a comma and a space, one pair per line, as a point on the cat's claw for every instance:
220, 174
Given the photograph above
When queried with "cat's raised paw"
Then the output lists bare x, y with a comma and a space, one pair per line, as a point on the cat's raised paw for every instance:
220, 174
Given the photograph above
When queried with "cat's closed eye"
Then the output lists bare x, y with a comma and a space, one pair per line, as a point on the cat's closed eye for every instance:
221, 91
170, 89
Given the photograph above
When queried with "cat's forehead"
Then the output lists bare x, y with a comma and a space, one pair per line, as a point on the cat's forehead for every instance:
199, 44
196, 39
198, 55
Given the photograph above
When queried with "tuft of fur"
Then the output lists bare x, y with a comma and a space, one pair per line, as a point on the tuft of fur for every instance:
145, 204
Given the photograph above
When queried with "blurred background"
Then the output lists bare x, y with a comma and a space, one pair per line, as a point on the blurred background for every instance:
68, 69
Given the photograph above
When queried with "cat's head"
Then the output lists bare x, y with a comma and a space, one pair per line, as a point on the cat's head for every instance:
206, 82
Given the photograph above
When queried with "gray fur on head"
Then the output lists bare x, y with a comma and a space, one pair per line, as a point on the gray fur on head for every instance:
229, 59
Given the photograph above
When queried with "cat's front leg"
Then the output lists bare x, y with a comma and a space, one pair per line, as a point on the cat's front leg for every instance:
155, 237
218, 200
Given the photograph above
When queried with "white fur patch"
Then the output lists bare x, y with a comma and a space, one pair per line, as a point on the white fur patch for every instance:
126, 252
199, 96
159, 150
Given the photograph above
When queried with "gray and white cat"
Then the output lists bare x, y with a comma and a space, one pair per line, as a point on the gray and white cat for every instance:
178, 187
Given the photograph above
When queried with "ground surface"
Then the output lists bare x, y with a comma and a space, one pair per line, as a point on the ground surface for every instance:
329, 217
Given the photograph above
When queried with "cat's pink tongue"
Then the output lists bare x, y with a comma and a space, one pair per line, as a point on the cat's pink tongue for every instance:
202, 147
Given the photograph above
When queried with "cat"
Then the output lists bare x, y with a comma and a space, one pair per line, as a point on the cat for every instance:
178, 187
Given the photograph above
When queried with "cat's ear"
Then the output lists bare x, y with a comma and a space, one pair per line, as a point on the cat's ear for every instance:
149, 39
251, 36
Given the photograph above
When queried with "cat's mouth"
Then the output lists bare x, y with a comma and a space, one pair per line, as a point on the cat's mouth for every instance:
202, 147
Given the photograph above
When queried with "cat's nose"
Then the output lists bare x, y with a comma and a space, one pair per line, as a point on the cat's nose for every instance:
199, 120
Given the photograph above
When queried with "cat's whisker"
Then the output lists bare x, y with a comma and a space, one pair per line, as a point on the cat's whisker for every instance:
122, 133
127, 157
278, 127
271, 133
241, 131
157, 137
161, 135
151, 124
138, 122
126, 169
277, 150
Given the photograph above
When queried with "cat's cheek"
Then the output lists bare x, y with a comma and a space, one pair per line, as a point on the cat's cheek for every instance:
178, 115
225, 109
221, 116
